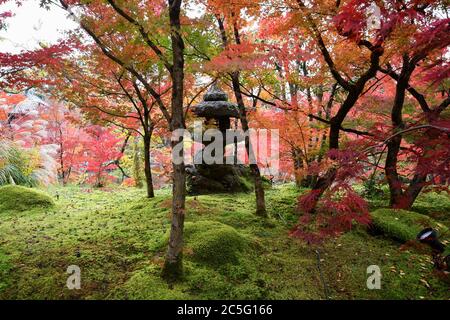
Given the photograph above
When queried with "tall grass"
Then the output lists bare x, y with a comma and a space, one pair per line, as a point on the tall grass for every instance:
12, 169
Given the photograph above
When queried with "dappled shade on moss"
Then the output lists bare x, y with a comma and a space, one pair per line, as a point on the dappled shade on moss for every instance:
21, 198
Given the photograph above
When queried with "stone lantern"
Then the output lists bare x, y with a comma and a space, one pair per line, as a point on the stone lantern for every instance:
217, 178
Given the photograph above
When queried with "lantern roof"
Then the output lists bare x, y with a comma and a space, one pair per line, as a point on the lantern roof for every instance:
215, 104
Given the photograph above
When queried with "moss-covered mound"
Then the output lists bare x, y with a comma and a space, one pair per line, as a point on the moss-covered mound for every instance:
432, 202
402, 225
146, 284
214, 243
21, 198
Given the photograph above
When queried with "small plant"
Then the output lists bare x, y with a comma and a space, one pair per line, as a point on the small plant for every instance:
15, 166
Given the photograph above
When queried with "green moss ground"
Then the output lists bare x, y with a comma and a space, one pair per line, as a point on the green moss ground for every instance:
118, 239
403, 225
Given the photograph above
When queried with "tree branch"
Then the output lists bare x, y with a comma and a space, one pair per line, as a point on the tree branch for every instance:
361, 133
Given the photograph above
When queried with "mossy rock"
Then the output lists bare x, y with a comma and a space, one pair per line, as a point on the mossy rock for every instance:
214, 243
402, 225
20, 198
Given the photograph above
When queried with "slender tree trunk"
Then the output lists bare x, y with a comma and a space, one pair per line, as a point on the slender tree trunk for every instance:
298, 165
259, 189
61, 158
61, 163
397, 197
173, 266
354, 89
147, 165
395, 185
137, 163
122, 151
325, 181
414, 189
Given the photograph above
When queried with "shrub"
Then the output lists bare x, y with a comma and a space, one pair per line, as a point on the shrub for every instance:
21, 198
402, 225
214, 243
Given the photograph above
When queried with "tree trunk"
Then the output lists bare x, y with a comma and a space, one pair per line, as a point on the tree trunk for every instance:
137, 163
173, 266
397, 197
61, 158
122, 151
259, 189
325, 181
395, 185
147, 166
298, 165
413, 190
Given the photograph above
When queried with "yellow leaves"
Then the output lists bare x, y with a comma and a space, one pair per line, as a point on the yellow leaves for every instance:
31, 161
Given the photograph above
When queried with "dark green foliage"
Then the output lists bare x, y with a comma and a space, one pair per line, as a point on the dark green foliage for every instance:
373, 189
20, 198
